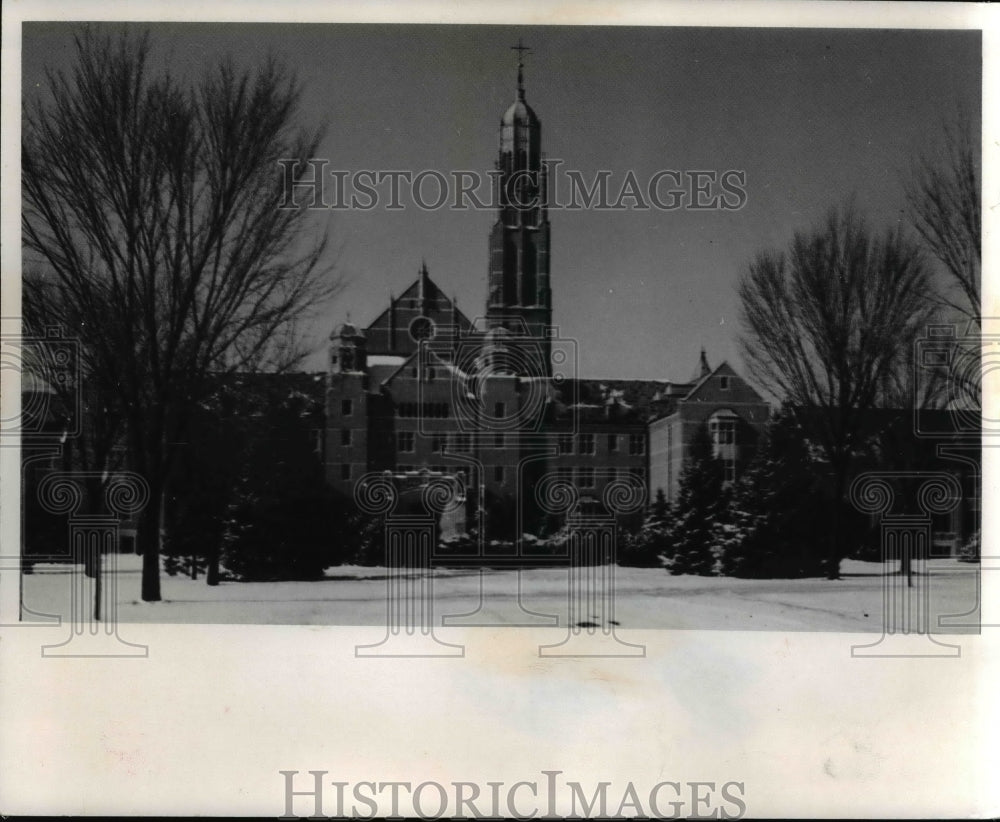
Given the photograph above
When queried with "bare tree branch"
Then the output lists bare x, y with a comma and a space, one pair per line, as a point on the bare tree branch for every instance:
830, 323
151, 213
944, 198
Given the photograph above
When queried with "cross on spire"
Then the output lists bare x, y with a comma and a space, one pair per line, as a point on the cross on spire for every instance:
520, 48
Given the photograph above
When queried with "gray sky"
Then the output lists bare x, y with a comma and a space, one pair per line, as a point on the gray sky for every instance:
812, 116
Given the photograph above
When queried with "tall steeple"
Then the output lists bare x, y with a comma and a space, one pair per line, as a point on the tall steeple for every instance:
519, 239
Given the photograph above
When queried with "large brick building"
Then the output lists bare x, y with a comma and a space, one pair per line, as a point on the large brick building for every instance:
425, 388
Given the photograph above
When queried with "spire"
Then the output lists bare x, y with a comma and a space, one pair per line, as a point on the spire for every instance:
520, 48
422, 287
702, 370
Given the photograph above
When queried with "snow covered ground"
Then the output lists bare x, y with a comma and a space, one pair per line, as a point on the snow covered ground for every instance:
644, 598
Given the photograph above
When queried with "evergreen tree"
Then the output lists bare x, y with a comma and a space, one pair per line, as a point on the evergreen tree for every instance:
281, 521
647, 547
777, 517
699, 504
209, 457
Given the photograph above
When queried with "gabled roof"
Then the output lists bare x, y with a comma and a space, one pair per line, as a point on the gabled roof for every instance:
724, 365
389, 333
723, 369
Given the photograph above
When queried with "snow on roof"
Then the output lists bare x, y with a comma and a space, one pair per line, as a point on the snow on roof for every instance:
385, 359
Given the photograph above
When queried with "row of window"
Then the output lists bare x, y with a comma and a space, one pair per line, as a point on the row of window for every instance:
581, 477
586, 477
463, 442
586, 444
723, 433
425, 410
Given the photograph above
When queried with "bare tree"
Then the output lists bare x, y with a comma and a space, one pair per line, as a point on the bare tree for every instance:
826, 324
944, 199
151, 209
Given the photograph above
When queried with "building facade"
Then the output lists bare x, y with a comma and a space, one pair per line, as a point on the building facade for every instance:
425, 389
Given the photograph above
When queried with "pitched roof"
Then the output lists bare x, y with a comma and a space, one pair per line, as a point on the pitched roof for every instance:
747, 391
389, 332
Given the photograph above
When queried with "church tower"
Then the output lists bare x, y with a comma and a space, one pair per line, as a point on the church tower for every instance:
346, 451
519, 292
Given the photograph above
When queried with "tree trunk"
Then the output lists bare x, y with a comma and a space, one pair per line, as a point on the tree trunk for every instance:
148, 537
98, 582
906, 561
152, 462
836, 524
212, 569
833, 560
92, 490
89, 565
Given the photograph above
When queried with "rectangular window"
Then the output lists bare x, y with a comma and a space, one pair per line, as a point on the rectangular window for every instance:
345, 471
723, 432
463, 442
406, 441
586, 443
636, 445
439, 442
612, 443
565, 443
345, 436
499, 410
499, 441
346, 408
724, 383
585, 477
498, 473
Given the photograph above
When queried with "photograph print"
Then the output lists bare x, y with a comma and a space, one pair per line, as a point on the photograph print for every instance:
425, 327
